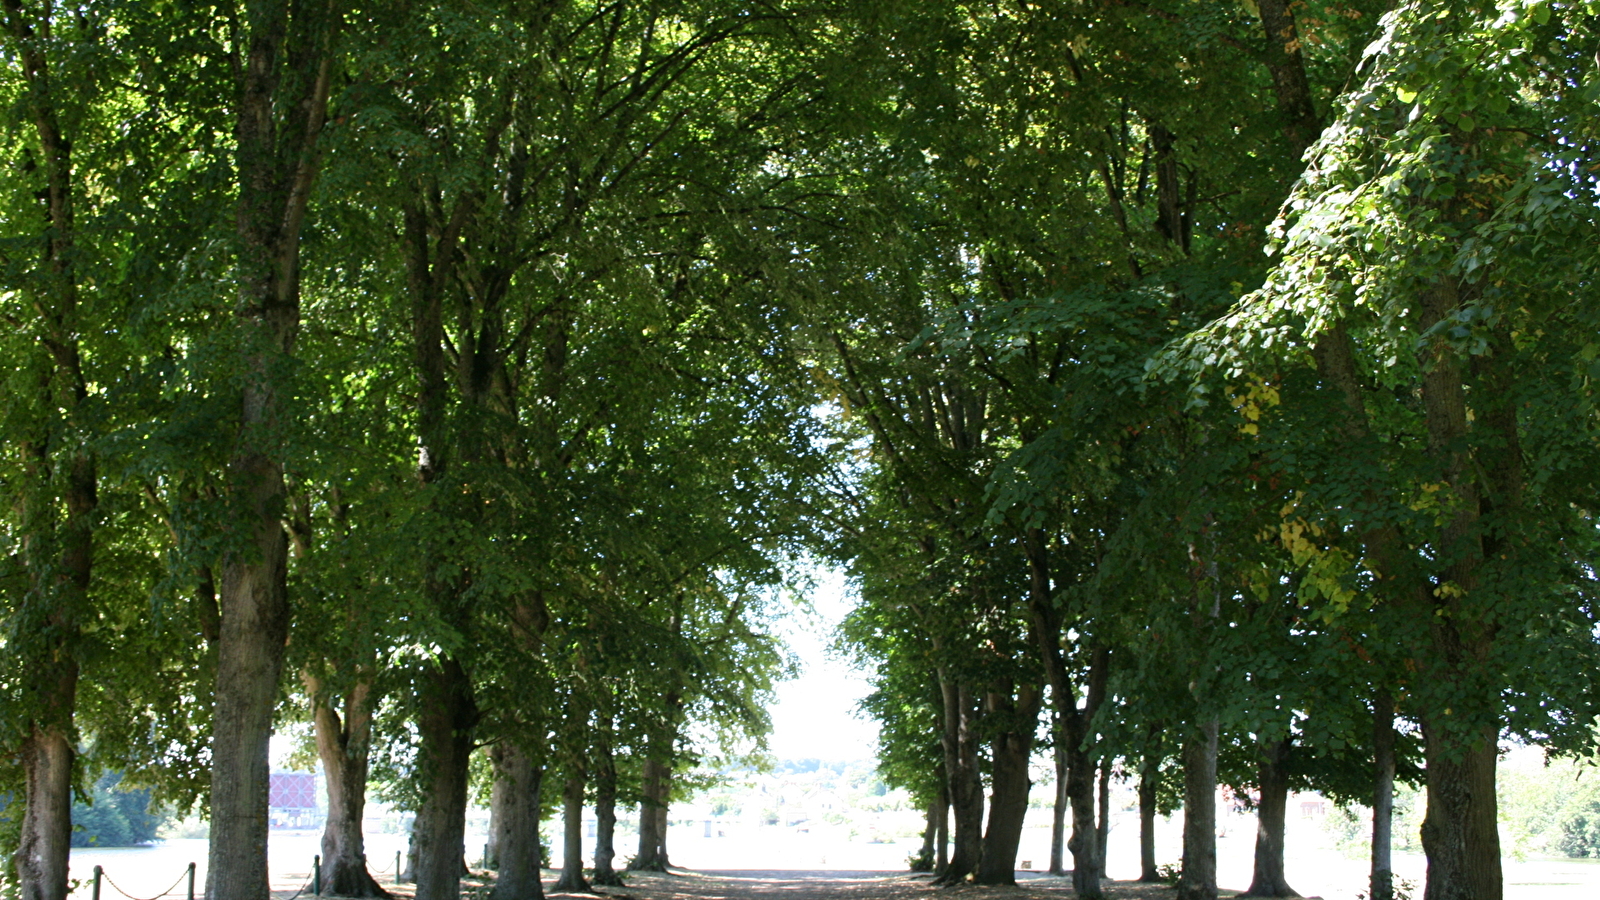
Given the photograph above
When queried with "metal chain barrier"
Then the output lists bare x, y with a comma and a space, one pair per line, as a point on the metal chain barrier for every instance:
100, 874
303, 888
312, 884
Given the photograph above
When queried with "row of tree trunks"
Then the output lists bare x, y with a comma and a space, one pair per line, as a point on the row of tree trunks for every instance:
1009, 753
1460, 831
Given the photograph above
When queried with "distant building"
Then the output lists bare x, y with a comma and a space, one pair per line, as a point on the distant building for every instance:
1313, 807
293, 800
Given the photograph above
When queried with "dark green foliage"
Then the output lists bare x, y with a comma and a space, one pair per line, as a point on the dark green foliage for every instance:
116, 816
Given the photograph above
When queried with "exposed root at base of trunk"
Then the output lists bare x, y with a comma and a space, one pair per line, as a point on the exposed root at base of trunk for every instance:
353, 881
607, 878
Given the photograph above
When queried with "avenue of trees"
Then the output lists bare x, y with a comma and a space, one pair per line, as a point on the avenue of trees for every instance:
1211, 382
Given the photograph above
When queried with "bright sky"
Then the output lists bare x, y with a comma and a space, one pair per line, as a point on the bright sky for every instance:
815, 715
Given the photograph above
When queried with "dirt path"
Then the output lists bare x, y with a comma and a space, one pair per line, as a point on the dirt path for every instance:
799, 884
835, 885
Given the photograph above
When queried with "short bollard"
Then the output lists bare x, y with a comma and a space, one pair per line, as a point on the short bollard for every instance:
316, 875
98, 874
191, 881
396, 869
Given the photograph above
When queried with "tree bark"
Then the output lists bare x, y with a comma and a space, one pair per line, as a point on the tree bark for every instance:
57, 601
517, 835
1273, 781
941, 853
572, 880
1147, 823
1102, 828
605, 811
1058, 815
1199, 879
46, 839
342, 746
444, 731
57, 604
1008, 807
930, 833
960, 745
497, 803
1381, 886
282, 103
1460, 832
1074, 723
652, 856
1289, 81
1084, 844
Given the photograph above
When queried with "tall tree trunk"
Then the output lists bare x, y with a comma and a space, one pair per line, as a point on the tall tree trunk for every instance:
1460, 832
57, 602
342, 746
1147, 822
1381, 885
1199, 879
652, 819
930, 833
663, 807
497, 804
1008, 807
517, 839
572, 880
605, 811
408, 873
1273, 780
941, 854
1074, 724
1102, 828
282, 104
960, 744
1084, 843
1058, 817
444, 730
46, 839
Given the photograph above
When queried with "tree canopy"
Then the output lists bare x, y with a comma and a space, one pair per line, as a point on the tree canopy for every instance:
1213, 382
